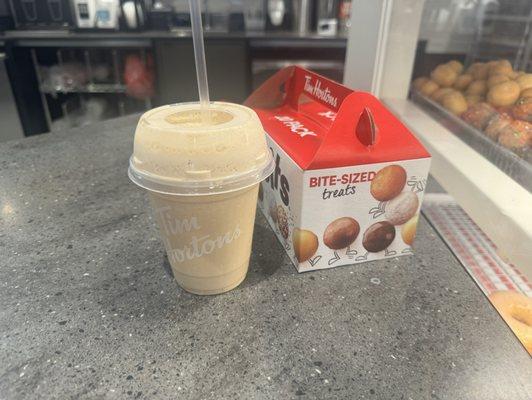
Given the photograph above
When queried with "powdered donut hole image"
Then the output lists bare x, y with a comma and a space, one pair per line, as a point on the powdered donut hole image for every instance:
305, 244
341, 233
504, 94
428, 88
463, 81
388, 182
401, 208
444, 75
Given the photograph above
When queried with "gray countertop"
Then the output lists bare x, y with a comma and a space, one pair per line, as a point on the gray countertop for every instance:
89, 310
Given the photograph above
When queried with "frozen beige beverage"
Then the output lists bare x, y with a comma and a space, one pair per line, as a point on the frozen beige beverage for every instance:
202, 177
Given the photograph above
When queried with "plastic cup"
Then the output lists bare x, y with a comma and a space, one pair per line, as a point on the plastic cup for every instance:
202, 181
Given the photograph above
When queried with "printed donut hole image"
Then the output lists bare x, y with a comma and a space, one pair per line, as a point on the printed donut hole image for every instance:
305, 244
378, 236
341, 233
388, 182
282, 222
401, 208
408, 231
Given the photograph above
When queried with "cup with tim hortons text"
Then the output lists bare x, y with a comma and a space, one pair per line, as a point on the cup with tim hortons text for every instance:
202, 176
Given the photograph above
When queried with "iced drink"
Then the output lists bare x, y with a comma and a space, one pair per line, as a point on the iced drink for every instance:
202, 177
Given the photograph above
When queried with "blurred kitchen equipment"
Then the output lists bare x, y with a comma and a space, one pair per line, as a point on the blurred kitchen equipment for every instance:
262, 69
64, 76
302, 16
96, 14
236, 16
10, 126
84, 13
254, 15
107, 13
279, 15
344, 14
327, 17
6, 19
134, 14
161, 16
217, 15
79, 111
41, 14
139, 77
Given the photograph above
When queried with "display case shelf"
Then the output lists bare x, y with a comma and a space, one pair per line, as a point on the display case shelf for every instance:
508, 18
518, 168
499, 205
502, 41
90, 88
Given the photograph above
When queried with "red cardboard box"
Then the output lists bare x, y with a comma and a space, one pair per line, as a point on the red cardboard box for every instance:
349, 176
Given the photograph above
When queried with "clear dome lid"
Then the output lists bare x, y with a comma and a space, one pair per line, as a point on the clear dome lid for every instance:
176, 152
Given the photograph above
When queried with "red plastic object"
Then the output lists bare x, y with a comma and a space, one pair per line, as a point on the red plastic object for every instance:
139, 77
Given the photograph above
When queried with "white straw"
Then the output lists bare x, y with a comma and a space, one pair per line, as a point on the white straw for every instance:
199, 55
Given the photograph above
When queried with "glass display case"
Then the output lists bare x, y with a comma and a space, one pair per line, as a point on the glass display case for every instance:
458, 73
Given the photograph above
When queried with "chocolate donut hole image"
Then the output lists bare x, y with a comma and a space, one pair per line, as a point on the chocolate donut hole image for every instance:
378, 236
341, 233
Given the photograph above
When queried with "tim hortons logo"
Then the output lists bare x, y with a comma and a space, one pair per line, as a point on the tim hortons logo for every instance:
187, 227
278, 181
322, 94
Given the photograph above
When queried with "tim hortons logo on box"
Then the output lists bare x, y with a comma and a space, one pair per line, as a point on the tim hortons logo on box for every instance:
316, 90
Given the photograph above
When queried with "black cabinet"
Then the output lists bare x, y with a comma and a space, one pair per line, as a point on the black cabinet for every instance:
228, 68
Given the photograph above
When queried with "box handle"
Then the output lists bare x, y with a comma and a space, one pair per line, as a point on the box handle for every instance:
365, 129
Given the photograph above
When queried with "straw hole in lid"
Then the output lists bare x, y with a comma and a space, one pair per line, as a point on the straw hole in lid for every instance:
366, 130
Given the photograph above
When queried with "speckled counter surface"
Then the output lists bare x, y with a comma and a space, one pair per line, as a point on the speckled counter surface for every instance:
89, 311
